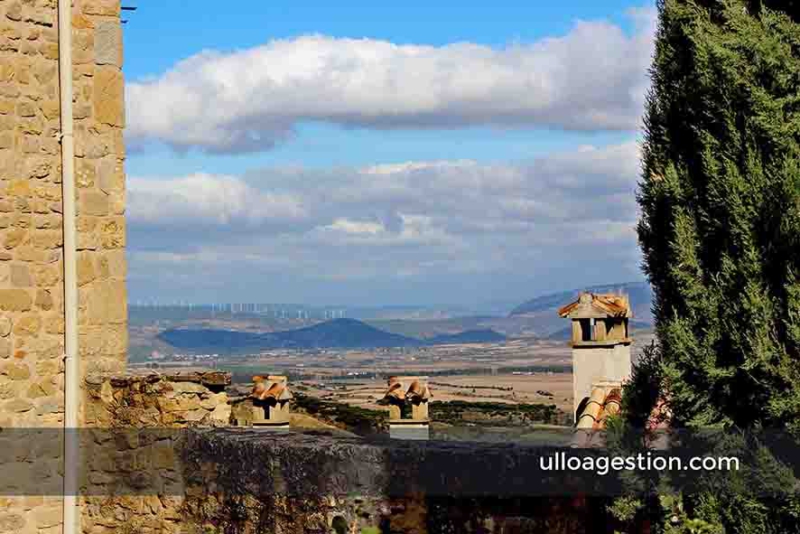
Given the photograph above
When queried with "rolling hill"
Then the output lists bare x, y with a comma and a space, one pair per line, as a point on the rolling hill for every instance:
338, 333
469, 336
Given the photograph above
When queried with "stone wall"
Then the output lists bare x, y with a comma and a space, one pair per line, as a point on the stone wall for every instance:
100, 181
161, 457
31, 240
248, 481
133, 480
152, 400
593, 363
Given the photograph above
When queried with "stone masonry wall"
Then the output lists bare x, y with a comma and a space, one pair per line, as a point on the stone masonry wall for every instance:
162, 458
133, 478
31, 241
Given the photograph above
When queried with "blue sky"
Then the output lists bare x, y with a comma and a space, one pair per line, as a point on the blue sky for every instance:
158, 34
323, 134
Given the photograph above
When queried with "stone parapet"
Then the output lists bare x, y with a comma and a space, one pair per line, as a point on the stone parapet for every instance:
151, 400
132, 448
249, 481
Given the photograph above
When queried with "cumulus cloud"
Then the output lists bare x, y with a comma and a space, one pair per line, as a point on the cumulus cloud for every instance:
593, 78
207, 200
422, 220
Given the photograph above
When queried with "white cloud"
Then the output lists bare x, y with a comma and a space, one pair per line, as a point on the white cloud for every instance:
593, 78
206, 199
355, 227
414, 220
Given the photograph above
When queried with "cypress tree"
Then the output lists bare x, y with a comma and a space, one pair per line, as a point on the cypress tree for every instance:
720, 203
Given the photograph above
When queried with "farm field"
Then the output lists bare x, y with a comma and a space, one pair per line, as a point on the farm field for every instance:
534, 388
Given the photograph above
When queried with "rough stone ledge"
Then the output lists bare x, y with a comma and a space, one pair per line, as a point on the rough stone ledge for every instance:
259, 462
208, 378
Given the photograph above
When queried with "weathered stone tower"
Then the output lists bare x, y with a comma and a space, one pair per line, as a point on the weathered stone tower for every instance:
601, 343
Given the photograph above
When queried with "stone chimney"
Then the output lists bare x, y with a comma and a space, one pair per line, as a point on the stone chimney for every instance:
601, 343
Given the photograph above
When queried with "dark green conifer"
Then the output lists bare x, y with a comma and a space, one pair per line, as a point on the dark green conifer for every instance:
720, 201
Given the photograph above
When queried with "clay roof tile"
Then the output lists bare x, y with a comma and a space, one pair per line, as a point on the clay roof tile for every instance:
607, 303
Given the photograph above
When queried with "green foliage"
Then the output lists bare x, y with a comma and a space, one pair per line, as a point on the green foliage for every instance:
353, 418
453, 412
643, 389
720, 199
625, 509
677, 521
720, 229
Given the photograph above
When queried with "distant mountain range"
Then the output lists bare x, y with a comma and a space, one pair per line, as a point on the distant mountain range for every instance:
338, 333
536, 317
639, 293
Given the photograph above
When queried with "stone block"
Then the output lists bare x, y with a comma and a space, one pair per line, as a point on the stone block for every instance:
112, 233
48, 192
116, 203
20, 275
48, 368
103, 303
44, 300
102, 7
54, 324
27, 325
86, 173
49, 50
51, 109
26, 109
32, 254
11, 522
48, 239
111, 176
46, 276
108, 98
22, 220
35, 391
93, 203
47, 222
117, 266
39, 168
14, 238
47, 517
19, 187
52, 405
86, 271
82, 47
15, 300
108, 43
191, 388
18, 406
221, 415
